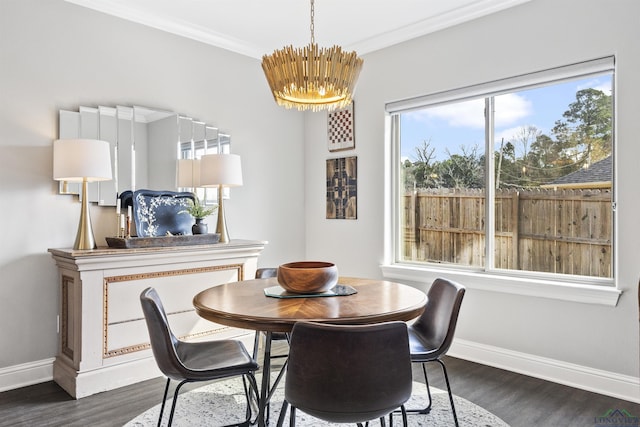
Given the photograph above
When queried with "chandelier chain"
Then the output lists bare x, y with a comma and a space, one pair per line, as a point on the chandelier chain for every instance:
313, 39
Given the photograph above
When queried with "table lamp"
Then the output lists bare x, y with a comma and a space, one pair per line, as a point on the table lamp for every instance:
221, 170
82, 160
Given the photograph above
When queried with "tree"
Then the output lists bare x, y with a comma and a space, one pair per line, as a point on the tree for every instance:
522, 142
506, 155
409, 178
587, 126
464, 170
425, 153
419, 172
549, 159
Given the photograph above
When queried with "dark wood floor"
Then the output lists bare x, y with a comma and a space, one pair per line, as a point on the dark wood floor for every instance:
517, 399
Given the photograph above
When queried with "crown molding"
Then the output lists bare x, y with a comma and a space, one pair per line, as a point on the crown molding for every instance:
433, 24
205, 35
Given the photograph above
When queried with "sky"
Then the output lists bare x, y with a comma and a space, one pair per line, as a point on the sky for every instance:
453, 125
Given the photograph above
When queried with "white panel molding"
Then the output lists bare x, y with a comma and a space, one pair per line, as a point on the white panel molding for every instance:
26, 374
582, 377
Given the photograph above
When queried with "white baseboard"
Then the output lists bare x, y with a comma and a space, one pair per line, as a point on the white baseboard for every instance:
595, 380
40, 371
598, 381
26, 374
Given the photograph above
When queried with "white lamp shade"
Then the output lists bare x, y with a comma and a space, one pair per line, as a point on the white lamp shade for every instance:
220, 169
79, 159
188, 173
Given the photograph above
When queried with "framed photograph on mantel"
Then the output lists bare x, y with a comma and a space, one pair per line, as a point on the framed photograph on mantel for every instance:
342, 188
341, 129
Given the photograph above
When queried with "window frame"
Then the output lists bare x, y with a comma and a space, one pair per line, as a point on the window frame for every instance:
548, 285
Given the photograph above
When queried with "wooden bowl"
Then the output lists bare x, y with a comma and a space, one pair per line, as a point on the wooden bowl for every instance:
307, 277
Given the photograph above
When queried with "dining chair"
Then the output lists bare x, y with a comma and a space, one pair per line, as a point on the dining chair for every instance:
430, 336
347, 373
265, 273
194, 361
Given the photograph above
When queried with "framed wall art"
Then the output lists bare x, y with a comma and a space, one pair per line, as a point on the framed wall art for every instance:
342, 188
341, 129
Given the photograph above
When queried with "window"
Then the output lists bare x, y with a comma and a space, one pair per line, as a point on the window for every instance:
196, 140
521, 169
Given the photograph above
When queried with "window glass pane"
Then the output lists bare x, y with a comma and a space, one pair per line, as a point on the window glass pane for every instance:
443, 181
553, 157
551, 177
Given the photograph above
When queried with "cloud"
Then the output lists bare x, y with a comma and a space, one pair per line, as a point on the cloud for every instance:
470, 114
598, 84
460, 114
508, 134
511, 108
513, 133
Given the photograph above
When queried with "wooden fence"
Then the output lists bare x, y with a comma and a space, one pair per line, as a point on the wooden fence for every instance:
566, 231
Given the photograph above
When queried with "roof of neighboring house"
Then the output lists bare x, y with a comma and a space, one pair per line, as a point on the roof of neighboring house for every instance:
598, 173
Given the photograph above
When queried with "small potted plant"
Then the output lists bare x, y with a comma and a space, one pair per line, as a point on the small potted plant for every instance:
199, 211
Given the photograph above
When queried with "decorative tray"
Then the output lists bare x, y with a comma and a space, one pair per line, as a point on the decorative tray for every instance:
162, 241
156, 212
336, 291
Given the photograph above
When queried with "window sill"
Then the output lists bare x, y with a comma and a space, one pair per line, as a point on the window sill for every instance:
559, 290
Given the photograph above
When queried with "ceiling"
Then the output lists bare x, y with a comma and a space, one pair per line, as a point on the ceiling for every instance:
258, 27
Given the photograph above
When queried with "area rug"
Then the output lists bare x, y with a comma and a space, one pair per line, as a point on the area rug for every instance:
223, 403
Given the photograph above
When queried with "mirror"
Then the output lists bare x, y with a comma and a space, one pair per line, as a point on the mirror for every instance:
146, 144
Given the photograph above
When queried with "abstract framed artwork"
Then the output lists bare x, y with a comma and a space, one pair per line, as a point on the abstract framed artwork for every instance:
342, 188
341, 129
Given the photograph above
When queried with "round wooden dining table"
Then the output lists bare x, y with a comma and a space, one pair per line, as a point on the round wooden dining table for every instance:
245, 305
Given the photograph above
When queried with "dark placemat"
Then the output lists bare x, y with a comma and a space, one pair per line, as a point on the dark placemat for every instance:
336, 291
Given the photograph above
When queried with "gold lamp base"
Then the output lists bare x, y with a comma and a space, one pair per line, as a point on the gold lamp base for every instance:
221, 227
84, 237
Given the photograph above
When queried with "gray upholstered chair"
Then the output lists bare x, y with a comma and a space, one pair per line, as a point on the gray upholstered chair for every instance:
347, 373
266, 272
194, 361
430, 336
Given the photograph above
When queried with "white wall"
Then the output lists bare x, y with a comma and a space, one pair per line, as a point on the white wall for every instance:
537, 35
55, 55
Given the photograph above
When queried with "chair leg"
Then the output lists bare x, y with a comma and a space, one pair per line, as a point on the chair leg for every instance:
292, 417
446, 379
175, 400
427, 409
426, 382
256, 344
283, 412
254, 387
251, 390
272, 387
164, 401
403, 410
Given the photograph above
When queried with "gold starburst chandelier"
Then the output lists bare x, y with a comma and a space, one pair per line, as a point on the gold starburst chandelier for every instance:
312, 78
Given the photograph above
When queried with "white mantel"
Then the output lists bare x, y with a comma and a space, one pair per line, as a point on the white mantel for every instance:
103, 340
